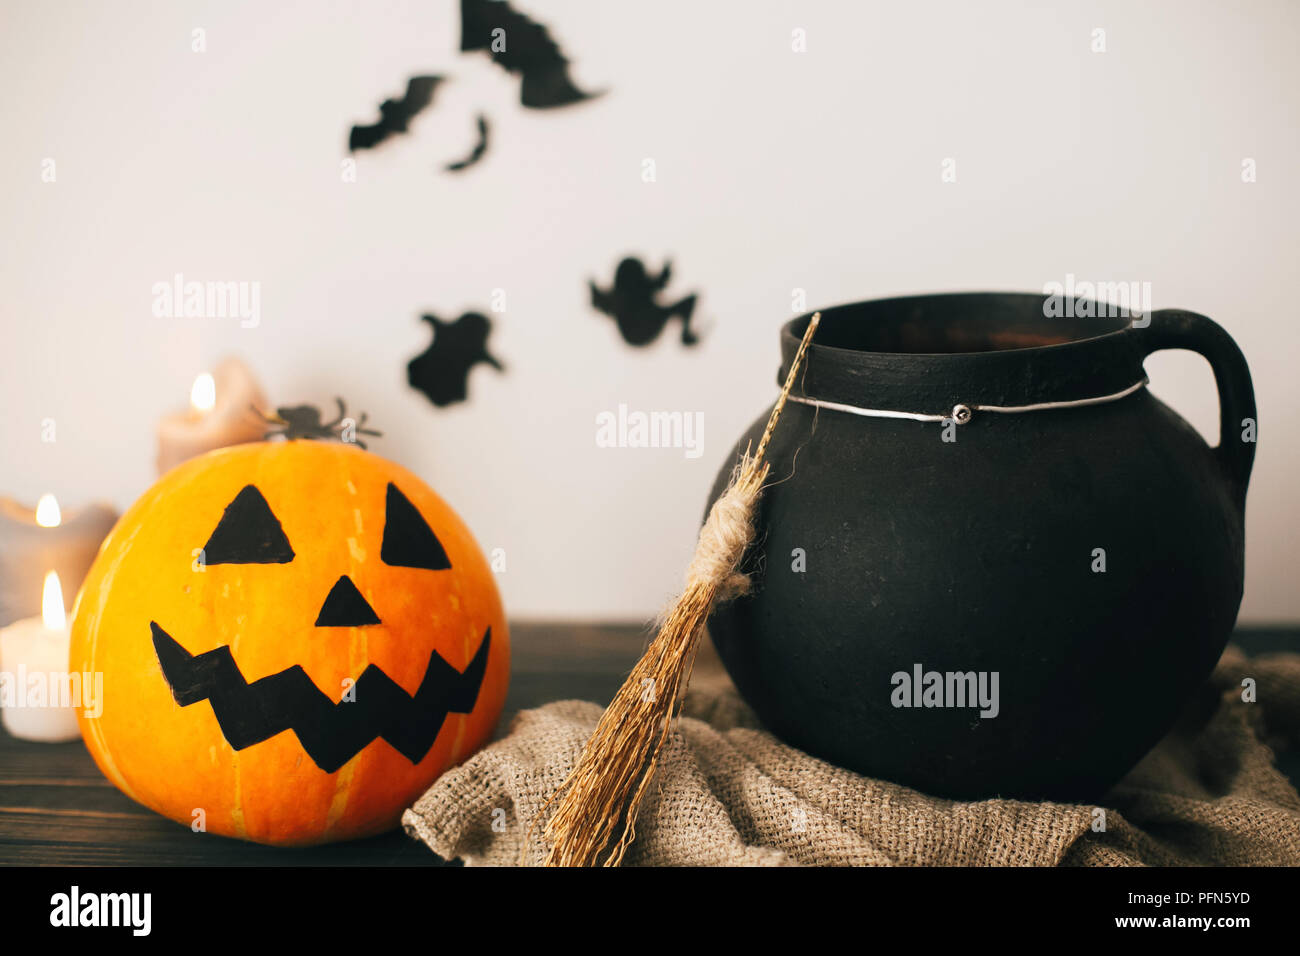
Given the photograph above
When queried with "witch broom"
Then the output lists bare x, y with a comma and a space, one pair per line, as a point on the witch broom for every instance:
607, 785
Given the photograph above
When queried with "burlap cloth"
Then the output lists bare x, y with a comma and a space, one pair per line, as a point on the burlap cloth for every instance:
728, 793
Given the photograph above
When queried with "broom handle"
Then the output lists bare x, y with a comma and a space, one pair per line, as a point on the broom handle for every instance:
785, 389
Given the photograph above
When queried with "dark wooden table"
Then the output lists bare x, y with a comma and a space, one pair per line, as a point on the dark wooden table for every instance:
57, 809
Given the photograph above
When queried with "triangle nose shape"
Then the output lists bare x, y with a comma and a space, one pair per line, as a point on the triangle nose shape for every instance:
345, 607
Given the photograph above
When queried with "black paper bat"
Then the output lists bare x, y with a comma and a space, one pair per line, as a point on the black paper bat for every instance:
477, 152
395, 115
632, 302
442, 370
331, 732
524, 47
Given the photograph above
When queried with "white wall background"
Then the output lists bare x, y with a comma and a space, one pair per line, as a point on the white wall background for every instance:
776, 170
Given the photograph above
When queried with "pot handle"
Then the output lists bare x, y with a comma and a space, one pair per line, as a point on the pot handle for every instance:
1179, 329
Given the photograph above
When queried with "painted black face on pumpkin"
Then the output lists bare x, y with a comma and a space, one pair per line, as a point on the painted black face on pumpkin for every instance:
331, 732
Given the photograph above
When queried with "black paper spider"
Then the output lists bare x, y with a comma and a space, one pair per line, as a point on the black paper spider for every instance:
303, 421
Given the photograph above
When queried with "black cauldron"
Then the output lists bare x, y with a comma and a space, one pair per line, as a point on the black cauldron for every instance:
989, 561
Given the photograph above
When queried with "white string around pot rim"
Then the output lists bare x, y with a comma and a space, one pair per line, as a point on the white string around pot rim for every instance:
962, 412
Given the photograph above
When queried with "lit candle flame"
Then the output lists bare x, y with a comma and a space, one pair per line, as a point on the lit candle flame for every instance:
47, 512
203, 396
52, 612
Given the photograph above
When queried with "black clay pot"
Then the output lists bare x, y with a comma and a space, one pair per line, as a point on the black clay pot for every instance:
1011, 603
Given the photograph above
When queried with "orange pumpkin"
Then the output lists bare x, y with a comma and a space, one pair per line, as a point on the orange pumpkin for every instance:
296, 639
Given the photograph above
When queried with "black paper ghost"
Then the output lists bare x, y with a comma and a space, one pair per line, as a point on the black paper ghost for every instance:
442, 370
632, 304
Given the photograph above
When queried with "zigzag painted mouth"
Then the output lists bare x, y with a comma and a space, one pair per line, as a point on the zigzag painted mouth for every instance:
331, 733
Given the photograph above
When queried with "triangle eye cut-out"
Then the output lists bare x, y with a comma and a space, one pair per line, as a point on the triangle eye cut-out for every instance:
409, 542
248, 533
345, 607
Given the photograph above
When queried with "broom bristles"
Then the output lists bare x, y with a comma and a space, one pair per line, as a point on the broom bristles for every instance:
617, 764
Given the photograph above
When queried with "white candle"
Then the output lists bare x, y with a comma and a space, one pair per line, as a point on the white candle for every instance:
38, 699
221, 413
33, 542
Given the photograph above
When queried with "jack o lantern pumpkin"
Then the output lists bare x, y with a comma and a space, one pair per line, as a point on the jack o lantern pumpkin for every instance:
296, 639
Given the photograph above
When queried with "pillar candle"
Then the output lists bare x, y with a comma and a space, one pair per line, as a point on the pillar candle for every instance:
38, 701
224, 410
34, 541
